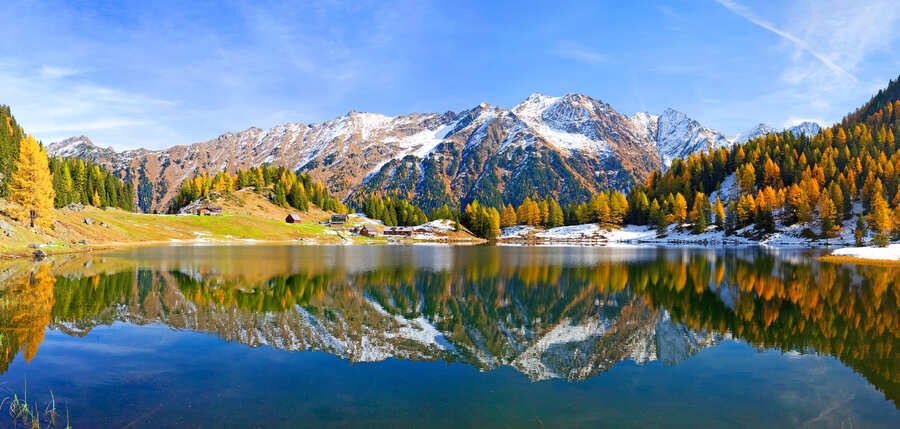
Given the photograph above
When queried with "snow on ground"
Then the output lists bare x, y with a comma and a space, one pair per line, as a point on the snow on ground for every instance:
362, 219
790, 236
889, 253
627, 234
439, 225
518, 231
587, 230
727, 190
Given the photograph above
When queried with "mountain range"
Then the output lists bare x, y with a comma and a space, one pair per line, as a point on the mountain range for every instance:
569, 147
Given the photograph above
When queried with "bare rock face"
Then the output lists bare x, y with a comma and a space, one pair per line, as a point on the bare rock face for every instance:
569, 147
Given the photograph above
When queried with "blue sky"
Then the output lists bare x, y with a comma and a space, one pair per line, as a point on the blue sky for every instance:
160, 73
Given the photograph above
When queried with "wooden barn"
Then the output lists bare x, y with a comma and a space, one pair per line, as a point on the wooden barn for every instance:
208, 211
292, 218
338, 219
368, 230
398, 230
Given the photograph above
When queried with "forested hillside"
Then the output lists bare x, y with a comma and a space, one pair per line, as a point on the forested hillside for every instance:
284, 187
74, 180
848, 169
10, 136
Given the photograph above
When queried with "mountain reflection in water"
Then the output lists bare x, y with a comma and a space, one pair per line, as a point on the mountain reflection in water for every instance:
563, 315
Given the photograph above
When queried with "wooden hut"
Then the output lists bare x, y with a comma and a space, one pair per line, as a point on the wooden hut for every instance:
398, 230
292, 218
209, 211
338, 219
368, 230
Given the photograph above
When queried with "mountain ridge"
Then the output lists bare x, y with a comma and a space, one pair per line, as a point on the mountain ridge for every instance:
569, 147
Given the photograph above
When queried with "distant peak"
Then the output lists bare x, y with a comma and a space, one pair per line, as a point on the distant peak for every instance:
674, 114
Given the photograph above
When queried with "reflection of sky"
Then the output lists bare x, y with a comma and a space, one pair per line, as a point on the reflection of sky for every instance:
118, 374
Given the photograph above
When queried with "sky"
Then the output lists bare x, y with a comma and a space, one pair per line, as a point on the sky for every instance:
159, 73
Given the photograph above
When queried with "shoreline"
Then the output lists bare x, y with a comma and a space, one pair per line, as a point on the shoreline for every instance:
843, 259
27, 253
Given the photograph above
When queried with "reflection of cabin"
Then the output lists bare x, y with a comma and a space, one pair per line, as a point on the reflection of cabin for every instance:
398, 230
292, 218
338, 219
208, 211
367, 230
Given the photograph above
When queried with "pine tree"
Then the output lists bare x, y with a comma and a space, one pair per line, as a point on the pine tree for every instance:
602, 215
827, 216
508, 216
880, 219
731, 218
32, 185
297, 197
618, 207
698, 213
860, 232
745, 210
679, 209
556, 214
720, 212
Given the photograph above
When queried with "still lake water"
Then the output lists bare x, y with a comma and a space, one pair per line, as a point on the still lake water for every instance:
433, 336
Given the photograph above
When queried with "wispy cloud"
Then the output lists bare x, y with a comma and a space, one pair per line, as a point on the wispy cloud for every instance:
52, 72
748, 14
574, 51
89, 125
56, 108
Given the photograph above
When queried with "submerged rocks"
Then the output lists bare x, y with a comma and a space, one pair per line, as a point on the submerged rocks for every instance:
39, 254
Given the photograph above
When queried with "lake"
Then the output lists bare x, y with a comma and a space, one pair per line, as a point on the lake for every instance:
439, 336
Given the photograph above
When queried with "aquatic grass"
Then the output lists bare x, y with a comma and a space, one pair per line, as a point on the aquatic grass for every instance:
35, 420
18, 409
50, 411
29, 415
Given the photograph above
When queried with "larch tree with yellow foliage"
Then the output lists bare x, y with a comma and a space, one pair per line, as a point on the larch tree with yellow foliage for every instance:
32, 185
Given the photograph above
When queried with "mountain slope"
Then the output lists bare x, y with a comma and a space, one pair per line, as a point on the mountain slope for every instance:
568, 147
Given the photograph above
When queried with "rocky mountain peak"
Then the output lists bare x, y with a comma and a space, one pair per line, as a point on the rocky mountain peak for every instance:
569, 146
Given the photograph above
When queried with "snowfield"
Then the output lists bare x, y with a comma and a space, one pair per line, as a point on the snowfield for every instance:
590, 233
889, 253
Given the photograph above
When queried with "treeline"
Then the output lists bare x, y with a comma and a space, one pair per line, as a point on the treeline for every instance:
78, 181
822, 180
393, 211
72, 180
607, 208
11, 135
285, 188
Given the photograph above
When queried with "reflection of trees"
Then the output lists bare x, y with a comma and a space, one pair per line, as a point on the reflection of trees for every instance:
849, 313
24, 315
276, 294
488, 303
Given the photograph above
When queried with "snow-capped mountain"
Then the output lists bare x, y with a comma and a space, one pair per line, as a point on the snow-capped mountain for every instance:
808, 128
569, 146
761, 130
677, 136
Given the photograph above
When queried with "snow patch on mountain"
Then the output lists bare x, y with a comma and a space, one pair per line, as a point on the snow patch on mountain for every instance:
679, 136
